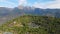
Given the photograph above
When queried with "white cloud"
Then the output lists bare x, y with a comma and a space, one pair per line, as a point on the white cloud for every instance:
54, 4
38, 5
22, 2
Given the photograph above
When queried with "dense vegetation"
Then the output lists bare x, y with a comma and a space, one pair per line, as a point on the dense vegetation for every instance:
28, 24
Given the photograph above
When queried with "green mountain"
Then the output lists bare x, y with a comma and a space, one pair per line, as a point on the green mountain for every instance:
29, 24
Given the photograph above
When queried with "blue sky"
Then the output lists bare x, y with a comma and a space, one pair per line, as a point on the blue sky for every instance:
35, 3
8, 3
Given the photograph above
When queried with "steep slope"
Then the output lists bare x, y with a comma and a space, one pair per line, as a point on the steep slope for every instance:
8, 14
29, 24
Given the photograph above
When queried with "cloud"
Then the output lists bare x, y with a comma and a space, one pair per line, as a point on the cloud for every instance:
22, 2
38, 5
55, 4
44, 4
52, 5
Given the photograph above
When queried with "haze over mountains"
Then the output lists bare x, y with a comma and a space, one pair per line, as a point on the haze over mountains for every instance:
10, 13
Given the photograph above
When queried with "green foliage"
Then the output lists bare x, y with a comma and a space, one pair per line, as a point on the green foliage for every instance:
41, 25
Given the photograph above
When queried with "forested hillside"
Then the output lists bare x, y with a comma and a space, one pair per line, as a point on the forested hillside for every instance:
29, 24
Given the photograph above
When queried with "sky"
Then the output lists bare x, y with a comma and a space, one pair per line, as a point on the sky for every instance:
8, 3
35, 3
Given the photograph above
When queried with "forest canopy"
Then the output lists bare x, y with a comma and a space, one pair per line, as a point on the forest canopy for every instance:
29, 24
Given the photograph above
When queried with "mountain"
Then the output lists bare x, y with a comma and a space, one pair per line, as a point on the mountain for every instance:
11, 13
7, 14
40, 12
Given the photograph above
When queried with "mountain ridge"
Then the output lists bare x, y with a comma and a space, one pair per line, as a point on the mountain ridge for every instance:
10, 13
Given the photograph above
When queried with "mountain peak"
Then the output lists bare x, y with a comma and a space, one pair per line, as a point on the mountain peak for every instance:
25, 7
20, 7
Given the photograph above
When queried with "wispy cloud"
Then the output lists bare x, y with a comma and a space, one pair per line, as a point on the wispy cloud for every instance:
52, 4
42, 3
22, 2
36, 3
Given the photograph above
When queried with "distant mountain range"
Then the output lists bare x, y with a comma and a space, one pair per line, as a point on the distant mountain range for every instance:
10, 13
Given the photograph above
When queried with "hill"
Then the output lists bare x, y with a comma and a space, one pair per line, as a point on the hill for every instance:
29, 24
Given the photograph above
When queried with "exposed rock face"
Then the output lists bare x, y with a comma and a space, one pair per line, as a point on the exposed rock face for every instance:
33, 25
7, 33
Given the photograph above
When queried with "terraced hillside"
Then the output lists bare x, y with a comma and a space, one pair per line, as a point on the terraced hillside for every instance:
29, 24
